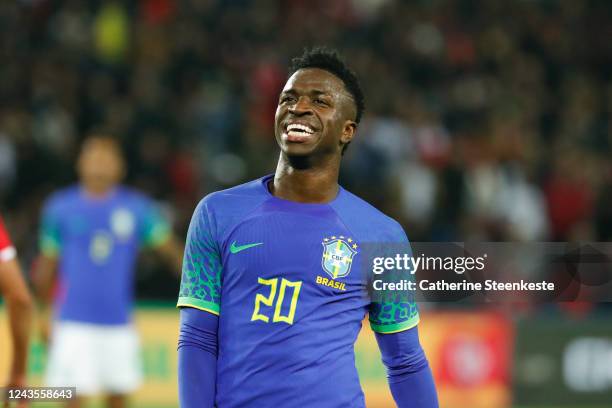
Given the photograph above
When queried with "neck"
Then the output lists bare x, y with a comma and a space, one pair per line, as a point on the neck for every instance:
96, 191
297, 179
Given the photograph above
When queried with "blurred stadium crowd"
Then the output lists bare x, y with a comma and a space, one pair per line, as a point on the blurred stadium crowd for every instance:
488, 120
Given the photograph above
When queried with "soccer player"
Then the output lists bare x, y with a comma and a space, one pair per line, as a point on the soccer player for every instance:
90, 237
271, 298
19, 304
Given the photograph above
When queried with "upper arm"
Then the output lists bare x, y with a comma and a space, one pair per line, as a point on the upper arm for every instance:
201, 275
50, 245
12, 283
7, 250
154, 230
394, 311
393, 316
50, 241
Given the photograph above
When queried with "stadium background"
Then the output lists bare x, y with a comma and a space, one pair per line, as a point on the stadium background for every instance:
485, 120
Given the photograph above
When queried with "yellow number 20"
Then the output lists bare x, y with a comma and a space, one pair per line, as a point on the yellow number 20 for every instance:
269, 300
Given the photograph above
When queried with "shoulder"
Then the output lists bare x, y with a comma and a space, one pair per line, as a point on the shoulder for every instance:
129, 195
5, 241
225, 207
62, 198
368, 221
235, 198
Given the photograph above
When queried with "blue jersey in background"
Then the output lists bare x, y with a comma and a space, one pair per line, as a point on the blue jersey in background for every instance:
287, 283
96, 241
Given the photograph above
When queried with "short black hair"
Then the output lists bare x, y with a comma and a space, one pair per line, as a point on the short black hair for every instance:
331, 61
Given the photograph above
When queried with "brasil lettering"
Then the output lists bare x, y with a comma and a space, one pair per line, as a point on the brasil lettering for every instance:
331, 283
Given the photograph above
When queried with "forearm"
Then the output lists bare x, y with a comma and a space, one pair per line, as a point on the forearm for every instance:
409, 374
44, 276
20, 307
415, 390
171, 251
45, 271
20, 317
197, 358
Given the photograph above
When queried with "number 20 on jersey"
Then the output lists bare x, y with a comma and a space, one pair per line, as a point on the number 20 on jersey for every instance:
272, 297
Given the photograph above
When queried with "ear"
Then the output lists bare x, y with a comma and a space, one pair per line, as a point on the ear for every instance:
348, 131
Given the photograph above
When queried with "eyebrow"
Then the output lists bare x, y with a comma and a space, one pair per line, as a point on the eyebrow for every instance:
311, 92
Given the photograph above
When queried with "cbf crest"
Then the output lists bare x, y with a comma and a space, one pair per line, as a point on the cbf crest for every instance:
338, 254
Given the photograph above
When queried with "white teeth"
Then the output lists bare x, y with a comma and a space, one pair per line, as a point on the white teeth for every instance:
300, 128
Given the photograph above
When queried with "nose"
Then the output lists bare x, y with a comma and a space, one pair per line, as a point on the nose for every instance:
301, 106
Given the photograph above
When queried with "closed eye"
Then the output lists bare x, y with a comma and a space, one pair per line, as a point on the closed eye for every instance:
287, 98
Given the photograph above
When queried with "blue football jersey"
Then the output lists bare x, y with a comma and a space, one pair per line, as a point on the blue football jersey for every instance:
287, 283
96, 241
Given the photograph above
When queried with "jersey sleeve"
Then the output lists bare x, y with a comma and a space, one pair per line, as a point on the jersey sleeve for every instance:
201, 277
154, 229
50, 236
7, 250
394, 311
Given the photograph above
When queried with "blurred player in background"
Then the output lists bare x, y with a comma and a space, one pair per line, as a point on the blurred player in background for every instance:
19, 304
90, 237
272, 290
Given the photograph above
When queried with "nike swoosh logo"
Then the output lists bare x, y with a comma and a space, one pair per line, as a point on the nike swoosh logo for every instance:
234, 249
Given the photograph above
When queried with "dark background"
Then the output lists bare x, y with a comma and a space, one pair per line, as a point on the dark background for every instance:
485, 120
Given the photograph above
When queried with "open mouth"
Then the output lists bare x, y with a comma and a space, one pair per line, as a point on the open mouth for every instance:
297, 132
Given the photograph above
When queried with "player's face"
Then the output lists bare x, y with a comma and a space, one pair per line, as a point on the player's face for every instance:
100, 165
315, 114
